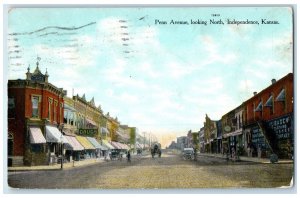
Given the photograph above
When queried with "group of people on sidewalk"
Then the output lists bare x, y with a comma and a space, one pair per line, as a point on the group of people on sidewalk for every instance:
117, 155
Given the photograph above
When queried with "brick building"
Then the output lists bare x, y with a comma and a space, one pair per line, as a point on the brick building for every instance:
268, 120
35, 115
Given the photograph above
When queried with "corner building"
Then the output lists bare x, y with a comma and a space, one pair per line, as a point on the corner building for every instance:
35, 117
269, 118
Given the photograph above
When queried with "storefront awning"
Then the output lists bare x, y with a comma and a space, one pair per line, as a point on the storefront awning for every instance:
235, 133
54, 135
122, 136
107, 144
85, 143
116, 145
95, 143
36, 136
69, 132
90, 122
124, 146
73, 144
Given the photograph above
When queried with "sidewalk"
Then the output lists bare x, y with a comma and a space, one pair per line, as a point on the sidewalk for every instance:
249, 159
68, 165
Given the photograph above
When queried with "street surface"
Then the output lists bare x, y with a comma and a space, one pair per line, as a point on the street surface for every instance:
170, 171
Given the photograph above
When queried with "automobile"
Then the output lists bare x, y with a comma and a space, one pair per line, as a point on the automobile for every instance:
188, 154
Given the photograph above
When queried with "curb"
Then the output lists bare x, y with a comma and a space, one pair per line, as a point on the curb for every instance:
52, 168
262, 160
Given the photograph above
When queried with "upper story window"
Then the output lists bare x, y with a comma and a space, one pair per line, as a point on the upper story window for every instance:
61, 112
50, 102
35, 106
55, 110
66, 116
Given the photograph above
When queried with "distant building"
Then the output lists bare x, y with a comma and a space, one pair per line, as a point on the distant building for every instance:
210, 135
182, 142
201, 140
219, 136
228, 128
173, 145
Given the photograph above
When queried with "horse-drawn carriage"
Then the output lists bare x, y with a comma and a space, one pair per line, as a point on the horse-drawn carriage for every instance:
156, 149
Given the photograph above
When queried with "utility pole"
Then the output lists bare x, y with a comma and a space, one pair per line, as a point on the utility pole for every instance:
144, 139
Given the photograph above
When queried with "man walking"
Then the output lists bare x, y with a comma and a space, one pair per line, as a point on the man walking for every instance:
128, 156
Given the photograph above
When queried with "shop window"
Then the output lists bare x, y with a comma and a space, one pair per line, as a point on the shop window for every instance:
10, 146
52, 148
37, 148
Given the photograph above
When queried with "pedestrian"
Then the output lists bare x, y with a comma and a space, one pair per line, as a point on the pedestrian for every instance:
248, 150
259, 152
233, 153
251, 150
128, 156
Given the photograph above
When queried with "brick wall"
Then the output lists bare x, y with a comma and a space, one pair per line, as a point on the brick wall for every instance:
279, 108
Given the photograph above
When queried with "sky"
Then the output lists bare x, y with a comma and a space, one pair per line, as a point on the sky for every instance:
160, 78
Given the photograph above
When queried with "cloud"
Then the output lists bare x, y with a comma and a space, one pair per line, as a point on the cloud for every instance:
148, 70
212, 50
245, 85
280, 46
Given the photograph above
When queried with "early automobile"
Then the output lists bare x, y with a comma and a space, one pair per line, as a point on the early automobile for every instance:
188, 154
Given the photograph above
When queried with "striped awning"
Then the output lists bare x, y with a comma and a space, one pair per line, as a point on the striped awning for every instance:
85, 142
138, 145
90, 122
73, 144
95, 143
122, 136
36, 136
116, 145
54, 135
125, 146
107, 144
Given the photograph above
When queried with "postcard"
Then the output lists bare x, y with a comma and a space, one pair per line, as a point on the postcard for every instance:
148, 97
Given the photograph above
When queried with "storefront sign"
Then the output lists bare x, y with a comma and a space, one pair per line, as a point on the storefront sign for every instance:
281, 127
258, 138
227, 128
87, 132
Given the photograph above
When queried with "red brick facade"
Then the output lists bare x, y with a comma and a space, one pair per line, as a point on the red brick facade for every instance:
279, 108
268, 124
20, 111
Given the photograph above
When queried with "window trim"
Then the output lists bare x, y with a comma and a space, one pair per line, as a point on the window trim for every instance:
39, 109
50, 102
